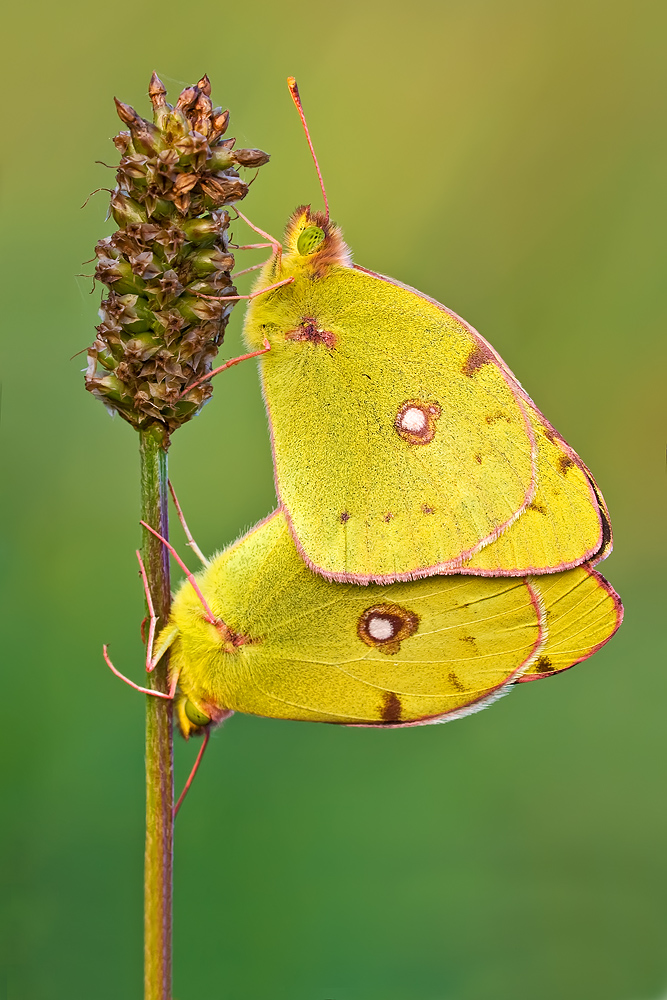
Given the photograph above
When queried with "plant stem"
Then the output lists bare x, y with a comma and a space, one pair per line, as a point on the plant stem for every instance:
158, 860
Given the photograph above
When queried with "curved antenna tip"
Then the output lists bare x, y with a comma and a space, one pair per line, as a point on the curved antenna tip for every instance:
294, 91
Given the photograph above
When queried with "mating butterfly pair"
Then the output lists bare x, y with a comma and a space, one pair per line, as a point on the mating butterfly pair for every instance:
435, 536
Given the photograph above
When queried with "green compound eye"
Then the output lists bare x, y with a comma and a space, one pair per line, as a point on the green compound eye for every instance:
309, 240
195, 715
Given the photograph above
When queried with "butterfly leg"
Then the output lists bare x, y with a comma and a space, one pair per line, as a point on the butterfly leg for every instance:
246, 270
277, 249
208, 614
173, 685
252, 295
227, 364
137, 687
273, 242
207, 736
248, 246
152, 616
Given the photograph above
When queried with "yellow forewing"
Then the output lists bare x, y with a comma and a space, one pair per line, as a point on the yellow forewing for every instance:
355, 364
582, 612
485, 486
320, 651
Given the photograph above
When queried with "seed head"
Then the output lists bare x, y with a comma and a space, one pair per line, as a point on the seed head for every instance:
157, 335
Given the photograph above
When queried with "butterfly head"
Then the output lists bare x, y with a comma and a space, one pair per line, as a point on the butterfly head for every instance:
192, 720
313, 244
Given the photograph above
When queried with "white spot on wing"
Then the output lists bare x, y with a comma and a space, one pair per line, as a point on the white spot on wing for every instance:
380, 628
413, 419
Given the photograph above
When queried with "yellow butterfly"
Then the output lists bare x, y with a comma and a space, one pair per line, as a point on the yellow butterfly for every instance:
263, 634
403, 445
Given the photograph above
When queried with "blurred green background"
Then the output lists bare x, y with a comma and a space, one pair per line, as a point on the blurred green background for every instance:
507, 158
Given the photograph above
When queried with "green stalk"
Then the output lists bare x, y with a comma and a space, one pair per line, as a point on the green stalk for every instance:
168, 271
158, 859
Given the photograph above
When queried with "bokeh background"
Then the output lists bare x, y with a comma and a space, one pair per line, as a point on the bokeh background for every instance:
508, 158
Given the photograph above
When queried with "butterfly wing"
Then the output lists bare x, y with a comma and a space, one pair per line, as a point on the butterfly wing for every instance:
583, 611
324, 652
401, 445
404, 446
565, 523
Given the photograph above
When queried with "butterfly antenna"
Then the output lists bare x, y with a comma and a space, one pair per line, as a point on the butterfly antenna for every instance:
294, 91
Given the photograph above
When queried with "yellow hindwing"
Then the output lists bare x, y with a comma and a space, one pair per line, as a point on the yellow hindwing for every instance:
562, 525
582, 613
315, 650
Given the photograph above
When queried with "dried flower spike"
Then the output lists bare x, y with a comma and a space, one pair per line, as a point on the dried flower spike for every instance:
157, 336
